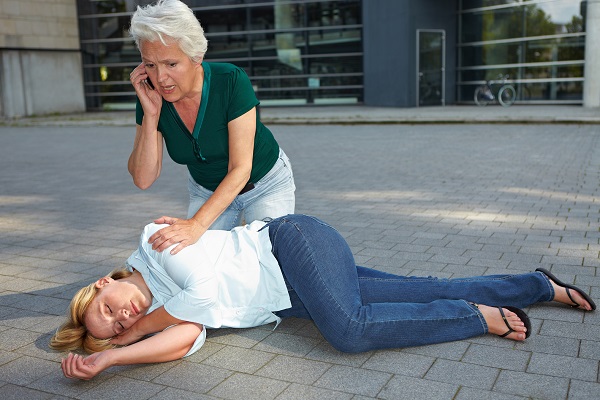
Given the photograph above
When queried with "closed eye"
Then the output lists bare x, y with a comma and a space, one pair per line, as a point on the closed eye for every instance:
120, 327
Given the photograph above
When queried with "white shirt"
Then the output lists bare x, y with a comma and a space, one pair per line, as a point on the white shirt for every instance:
226, 279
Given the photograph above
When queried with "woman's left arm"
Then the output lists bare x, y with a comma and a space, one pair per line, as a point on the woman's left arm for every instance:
168, 345
241, 151
156, 321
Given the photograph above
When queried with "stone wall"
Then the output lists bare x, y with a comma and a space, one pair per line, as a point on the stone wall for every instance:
40, 61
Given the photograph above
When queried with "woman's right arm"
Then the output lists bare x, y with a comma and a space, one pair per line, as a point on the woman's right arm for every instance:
168, 345
145, 161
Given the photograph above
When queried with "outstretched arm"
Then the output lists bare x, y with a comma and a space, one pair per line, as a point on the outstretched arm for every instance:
168, 345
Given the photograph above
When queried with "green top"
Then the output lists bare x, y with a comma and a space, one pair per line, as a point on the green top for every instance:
227, 94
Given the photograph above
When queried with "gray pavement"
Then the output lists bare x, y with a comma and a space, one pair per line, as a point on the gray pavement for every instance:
359, 115
423, 196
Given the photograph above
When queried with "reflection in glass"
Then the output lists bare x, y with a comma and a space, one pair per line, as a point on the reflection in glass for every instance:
300, 51
531, 41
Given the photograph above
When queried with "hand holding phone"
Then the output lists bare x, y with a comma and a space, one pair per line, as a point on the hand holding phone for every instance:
149, 83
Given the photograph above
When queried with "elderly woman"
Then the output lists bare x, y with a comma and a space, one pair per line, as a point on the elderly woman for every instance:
293, 266
206, 114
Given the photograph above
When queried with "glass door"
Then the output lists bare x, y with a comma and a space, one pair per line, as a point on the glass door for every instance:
431, 55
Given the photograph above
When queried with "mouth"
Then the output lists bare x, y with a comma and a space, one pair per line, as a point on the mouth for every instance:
168, 88
135, 310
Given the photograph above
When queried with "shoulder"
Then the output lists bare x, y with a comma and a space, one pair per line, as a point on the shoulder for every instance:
150, 229
223, 68
226, 72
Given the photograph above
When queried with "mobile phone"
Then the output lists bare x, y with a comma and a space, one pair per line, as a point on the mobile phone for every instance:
149, 83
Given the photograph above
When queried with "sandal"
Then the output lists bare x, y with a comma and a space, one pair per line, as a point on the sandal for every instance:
567, 286
522, 316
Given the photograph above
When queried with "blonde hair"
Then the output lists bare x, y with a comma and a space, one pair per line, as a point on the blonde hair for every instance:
73, 334
168, 20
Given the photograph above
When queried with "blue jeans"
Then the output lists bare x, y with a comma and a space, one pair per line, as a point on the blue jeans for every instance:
272, 196
360, 309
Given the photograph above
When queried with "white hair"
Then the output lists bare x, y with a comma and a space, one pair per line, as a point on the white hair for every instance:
168, 21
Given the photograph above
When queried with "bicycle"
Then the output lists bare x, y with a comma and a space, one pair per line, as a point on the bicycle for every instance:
506, 94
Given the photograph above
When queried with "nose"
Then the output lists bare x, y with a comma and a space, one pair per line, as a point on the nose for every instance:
161, 75
123, 315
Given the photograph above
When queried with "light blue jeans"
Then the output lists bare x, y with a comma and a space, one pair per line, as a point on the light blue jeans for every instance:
360, 309
272, 196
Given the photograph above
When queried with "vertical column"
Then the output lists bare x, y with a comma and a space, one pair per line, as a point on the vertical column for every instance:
591, 85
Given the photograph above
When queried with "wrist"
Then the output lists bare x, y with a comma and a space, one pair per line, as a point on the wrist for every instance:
198, 224
110, 358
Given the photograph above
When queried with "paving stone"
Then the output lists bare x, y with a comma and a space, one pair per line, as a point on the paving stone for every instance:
449, 351
25, 370
353, 380
466, 393
581, 390
590, 350
326, 353
301, 392
193, 377
248, 387
441, 200
510, 359
531, 385
562, 366
57, 384
13, 392
396, 362
239, 359
121, 387
292, 345
294, 369
550, 345
177, 394
469, 375
236, 337
405, 387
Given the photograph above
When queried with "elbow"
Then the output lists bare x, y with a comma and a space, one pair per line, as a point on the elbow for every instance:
141, 181
194, 330
142, 184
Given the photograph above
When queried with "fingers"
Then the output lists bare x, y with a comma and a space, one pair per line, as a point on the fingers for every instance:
167, 240
162, 239
181, 233
165, 220
179, 247
72, 366
138, 75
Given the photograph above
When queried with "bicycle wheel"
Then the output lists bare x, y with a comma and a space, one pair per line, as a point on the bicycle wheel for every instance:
481, 96
507, 95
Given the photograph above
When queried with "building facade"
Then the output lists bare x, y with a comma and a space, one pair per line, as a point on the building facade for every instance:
40, 61
396, 53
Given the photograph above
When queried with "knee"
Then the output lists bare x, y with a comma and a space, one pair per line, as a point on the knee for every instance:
348, 342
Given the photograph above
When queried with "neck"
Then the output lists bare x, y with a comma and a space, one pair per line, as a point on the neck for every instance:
194, 96
138, 280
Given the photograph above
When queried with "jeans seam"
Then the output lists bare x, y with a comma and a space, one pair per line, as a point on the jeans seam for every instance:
484, 324
550, 287
319, 272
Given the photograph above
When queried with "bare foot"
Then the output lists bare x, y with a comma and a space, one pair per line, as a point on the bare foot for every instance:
497, 325
560, 295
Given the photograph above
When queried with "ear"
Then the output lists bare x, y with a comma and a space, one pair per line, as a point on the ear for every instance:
100, 283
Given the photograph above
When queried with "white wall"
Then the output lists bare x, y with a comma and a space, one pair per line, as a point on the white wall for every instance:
40, 62
591, 85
